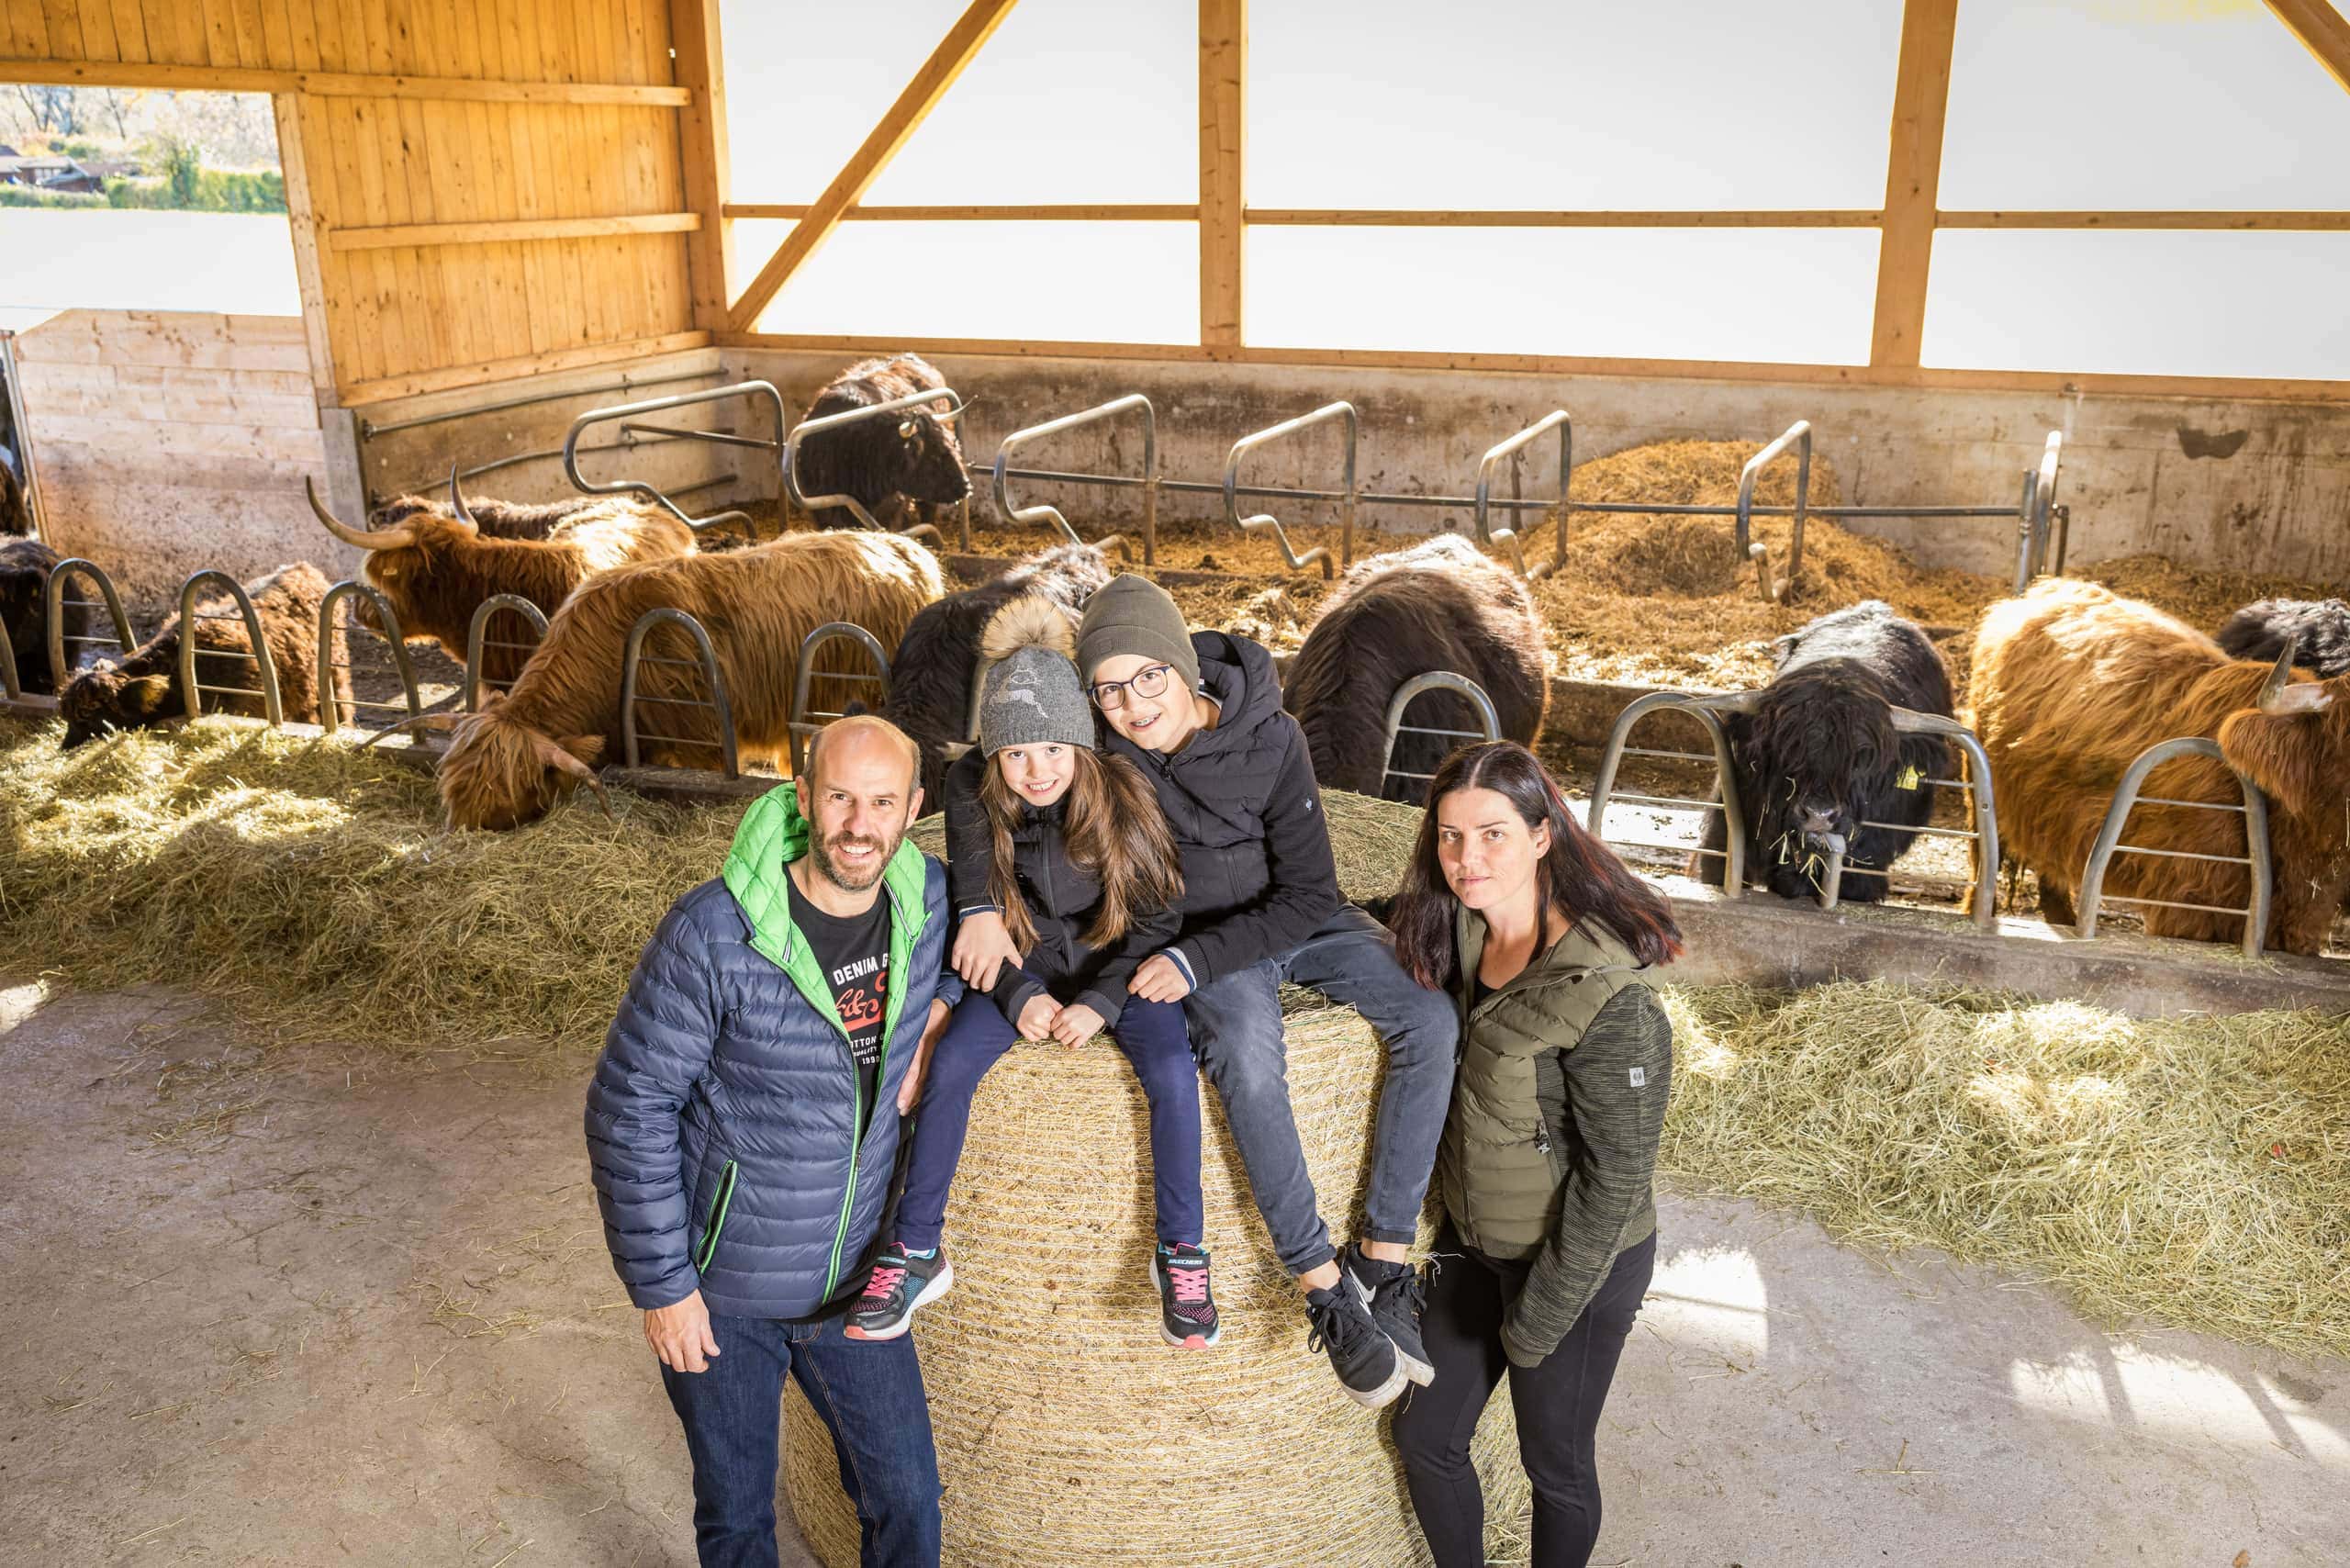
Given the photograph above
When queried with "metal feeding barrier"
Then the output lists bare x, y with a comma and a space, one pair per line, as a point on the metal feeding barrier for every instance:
1489, 723
1555, 420
2041, 524
911, 401
478, 640
256, 655
1604, 792
329, 709
1709, 710
1347, 499
1046, 513
61, 661
705, 660
762, 396
805, 723
2126, 796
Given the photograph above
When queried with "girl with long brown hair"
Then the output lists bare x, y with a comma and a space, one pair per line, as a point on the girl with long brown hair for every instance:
1068, 848
1550, 948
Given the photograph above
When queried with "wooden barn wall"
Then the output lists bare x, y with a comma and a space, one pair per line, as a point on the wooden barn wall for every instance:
169, 441
405, 319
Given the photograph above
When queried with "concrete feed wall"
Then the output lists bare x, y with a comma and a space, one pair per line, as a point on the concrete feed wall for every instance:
2247, 485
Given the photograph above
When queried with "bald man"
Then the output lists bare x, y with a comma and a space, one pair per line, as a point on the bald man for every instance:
739, 1161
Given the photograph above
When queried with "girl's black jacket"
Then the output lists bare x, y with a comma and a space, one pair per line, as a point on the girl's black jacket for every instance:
1061, 899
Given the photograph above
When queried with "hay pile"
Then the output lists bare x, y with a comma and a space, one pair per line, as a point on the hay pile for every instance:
308, 886
1066, 1432
2190, 1170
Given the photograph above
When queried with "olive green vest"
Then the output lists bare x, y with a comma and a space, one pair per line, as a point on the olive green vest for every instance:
1501, 1163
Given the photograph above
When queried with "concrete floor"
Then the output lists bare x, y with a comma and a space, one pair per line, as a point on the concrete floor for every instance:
341, 1309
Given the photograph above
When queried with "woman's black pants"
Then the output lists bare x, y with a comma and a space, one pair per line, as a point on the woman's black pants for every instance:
1557, 1404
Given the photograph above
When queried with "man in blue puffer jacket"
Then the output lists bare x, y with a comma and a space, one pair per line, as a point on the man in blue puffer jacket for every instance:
739, 1159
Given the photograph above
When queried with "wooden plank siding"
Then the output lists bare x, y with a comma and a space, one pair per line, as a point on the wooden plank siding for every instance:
169, 441
492, 188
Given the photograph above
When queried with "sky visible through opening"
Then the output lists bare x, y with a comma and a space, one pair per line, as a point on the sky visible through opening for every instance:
1670, 103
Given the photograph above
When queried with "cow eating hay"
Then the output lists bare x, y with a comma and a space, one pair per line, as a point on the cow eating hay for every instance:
144, 688
2071, 683
508, 763
1818, 759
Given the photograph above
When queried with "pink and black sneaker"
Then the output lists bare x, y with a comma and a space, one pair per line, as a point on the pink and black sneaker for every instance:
1187, 1316
901, 1281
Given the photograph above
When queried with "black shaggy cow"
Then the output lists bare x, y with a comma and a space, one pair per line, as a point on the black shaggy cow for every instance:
144, 688
902, 470
931, 672
1441, 605
1816, 753
2319, 631
25, 567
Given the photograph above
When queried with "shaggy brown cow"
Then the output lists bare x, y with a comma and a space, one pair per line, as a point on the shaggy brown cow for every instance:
508, 763
144, 689
1441, 605
25, 566
902, 471
2072, 683
437, 567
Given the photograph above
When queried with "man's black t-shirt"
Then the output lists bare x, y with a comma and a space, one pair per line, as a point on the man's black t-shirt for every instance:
853, 955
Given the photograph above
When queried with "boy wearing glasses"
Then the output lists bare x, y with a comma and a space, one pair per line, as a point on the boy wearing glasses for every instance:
1201, 714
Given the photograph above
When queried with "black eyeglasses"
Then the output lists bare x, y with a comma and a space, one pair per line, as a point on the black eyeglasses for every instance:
1110, 694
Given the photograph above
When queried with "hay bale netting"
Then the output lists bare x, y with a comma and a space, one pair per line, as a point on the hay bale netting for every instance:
1066, 1432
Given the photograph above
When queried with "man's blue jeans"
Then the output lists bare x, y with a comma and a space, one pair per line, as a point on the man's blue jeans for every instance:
870, 1395
1236, 1030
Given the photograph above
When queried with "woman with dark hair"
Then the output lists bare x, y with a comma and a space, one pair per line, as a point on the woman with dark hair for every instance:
1549, 948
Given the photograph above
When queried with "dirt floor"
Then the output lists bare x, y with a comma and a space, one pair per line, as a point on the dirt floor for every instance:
331, 1306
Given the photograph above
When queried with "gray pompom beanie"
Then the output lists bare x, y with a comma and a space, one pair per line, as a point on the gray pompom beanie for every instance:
1031, 695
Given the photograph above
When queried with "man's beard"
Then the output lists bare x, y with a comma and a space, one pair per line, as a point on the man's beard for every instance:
820, 851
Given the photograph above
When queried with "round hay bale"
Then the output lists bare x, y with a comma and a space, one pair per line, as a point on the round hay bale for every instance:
1067, 1431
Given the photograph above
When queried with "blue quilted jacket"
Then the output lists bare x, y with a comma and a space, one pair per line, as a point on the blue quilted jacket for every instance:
722, 1119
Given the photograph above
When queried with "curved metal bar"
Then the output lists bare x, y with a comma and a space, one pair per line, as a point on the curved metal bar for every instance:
2027, 542
1725, 775
1565, 426
53, 594
272, 711
2125, 796
330, 711
1248, 443
475, 641
2051, 561
1985, 834
803, 723
1043, 512
1489, 723
806, 428
1797, 434
706, 655
760, 391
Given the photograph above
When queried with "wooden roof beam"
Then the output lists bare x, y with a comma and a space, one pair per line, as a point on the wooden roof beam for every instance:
1913, 173
970, 32
2322, 31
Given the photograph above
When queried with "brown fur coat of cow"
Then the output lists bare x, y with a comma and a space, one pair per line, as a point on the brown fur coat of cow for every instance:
508, 763
144, 688
435, 568
1441, 605
2071, 683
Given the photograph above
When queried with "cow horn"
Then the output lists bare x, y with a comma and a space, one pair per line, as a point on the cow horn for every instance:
1729, 702
357, 538
2282, 700
556, 758
457, 501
